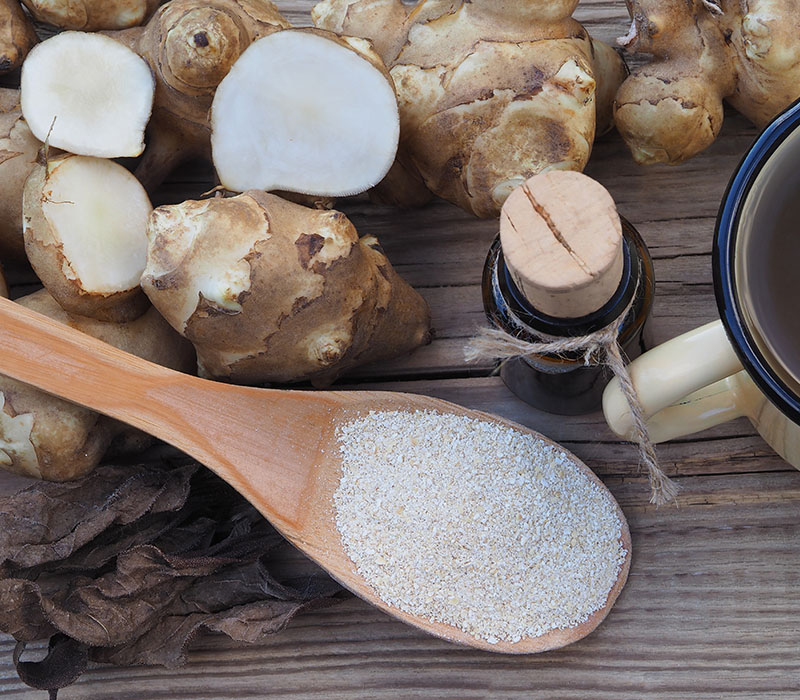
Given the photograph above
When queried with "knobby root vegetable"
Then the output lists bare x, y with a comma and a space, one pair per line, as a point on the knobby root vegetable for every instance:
18, 152
190, 48
705, 51
92, 15
17, 35
87, 94
85, 230
270, 291
306, 111
491, 92
47, 438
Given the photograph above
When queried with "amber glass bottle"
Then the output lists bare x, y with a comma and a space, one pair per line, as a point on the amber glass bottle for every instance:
565, 384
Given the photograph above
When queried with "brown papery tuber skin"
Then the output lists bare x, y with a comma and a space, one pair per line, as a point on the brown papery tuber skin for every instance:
92, 15
17, 35
271, 291
47, 438
705, 52
190, 48
491, 92
19, 149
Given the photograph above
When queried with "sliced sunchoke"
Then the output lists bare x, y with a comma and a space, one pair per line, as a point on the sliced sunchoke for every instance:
87, 94
334, 136
17, 35
190, 48
271, 291
491, 92
85, 229
48, 438
91, 15
704, 52
19, 149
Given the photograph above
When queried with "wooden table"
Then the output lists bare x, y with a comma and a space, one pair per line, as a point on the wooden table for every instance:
712, 605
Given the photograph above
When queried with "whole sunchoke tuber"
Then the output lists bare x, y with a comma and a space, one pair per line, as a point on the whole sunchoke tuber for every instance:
271, 291
704, 52
17, 35
91, 15
491, 92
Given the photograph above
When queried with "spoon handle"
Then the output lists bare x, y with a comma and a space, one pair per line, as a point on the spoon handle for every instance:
264, 442
72, 365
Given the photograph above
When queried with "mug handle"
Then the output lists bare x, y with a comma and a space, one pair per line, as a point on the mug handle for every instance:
685, 385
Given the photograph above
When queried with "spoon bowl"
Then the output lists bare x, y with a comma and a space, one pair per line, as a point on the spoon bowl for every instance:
278, 448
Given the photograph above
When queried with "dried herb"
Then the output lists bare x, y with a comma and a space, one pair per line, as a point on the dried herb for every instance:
126, 565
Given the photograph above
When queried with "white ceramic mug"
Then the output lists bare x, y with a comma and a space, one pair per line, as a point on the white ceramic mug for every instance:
730, 368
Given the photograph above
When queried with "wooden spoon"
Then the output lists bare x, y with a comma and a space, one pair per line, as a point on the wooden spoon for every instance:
276, 447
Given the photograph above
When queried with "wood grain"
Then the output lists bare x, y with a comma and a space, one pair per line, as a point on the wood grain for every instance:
712, 606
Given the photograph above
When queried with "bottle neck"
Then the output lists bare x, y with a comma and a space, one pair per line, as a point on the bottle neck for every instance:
506, 292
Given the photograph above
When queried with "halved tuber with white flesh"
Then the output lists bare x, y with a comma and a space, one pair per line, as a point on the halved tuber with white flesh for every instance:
85, 229
271, 291
87, 94
491, 92
19, 149
190, 48
92, 15
305, 111
47, 438
17, 35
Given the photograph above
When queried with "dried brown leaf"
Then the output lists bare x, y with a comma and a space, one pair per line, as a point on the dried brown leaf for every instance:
127, 565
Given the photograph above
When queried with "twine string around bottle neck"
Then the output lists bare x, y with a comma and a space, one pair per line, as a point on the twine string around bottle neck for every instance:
602, 346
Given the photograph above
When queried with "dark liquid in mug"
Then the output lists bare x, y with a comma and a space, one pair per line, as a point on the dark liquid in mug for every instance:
768, 259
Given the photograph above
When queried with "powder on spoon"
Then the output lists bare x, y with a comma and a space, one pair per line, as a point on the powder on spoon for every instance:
474, 524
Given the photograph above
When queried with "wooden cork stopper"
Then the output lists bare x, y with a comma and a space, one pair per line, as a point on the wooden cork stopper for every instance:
562, 242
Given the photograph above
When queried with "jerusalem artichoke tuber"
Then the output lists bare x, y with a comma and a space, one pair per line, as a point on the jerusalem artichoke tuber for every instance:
19, 149
703, 52
491, 92
17, 35
85, 230
92, 15
190, 48
270, 291
87, 94
306, 111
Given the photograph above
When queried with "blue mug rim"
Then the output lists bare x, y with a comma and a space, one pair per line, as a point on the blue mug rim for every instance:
725, 236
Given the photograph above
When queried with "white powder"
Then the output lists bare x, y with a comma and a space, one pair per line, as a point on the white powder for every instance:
474, 524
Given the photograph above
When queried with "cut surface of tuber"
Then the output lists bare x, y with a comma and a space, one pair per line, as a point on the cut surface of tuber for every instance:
85, 230
99, 211
87, 94
304, 113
